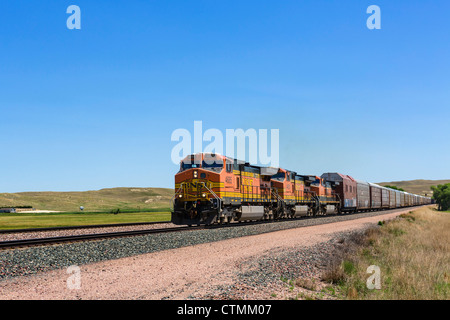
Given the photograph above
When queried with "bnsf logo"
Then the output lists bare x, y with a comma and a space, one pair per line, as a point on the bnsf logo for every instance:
194, 185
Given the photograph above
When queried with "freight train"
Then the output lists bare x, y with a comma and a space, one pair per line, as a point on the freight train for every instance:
215, 189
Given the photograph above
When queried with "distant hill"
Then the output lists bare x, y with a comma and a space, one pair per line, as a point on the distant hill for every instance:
420, 186
99, 200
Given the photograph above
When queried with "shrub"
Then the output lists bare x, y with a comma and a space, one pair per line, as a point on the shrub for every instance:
441, 194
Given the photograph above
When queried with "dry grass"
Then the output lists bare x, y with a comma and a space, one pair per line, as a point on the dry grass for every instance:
413, 253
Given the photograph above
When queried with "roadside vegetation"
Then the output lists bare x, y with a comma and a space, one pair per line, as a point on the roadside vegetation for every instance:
441, 194
412, 253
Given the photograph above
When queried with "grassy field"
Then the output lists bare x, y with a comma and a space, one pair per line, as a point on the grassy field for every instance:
44, 220
412, 252
136, 199
135, 205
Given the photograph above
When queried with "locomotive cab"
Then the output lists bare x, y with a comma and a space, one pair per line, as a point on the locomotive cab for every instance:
195, 201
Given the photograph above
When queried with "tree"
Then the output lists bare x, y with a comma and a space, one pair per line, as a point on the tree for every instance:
441, 194
395, 188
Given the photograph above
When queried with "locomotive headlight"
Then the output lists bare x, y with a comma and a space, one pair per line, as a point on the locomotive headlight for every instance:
180, 196
203, 195
195, 173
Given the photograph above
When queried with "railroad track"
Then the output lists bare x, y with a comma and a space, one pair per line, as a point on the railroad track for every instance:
91, 226
10, 244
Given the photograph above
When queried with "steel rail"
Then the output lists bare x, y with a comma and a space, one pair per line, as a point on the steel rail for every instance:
89, 226
94, 236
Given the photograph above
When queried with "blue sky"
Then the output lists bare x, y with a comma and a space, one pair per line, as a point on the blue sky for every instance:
95, 108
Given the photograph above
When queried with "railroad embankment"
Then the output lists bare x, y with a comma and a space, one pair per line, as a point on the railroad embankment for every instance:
410, 259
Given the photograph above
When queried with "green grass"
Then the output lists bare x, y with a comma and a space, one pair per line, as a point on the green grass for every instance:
44, 220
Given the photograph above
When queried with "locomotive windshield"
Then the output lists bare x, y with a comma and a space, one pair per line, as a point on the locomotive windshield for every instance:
279, 176
214, 166
185, 166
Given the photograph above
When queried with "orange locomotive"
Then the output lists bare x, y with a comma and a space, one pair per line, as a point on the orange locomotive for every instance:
211, 188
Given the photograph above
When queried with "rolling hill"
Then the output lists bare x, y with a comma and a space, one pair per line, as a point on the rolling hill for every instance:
419, 186
99, 200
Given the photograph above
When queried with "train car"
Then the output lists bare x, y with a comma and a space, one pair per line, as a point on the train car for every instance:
392, 201
327, 201
363, 195
402, 199
304, 194
375, 196
397, 199
201, 188
304, 199
384, 198
345, 188
289, 189
212, 188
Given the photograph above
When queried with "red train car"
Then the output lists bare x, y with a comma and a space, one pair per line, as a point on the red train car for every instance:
345, 188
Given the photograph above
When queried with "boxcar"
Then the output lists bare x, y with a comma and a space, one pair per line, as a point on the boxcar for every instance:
363, 195
384, 197
397, 198
375, 196
392, 200
402, 199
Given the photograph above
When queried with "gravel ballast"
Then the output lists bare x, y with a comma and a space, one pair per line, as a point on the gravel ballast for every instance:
9, 236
